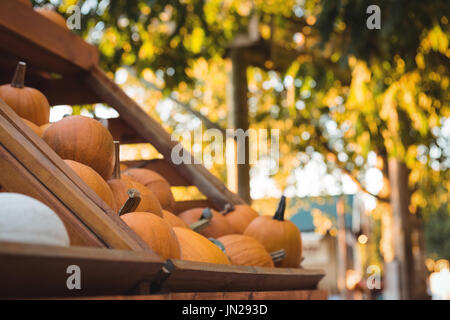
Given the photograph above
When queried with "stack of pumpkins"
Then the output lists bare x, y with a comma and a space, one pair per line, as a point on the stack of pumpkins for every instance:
234, 236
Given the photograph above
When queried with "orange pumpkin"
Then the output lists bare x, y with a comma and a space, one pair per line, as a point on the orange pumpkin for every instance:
94, 181
156, 183
240, 217
38, 130
53, 16
217, 227
84, 140
28, 103
45, 127
195, 247
245, 251
276, 234
173, 220
157, 233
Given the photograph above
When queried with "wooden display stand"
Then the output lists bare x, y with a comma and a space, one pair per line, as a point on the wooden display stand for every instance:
115, 262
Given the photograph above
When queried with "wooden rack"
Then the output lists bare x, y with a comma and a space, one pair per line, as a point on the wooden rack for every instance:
113, 259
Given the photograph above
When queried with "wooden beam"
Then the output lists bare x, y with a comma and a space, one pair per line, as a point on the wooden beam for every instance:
36, 271
14, 177
188, 276
40, 42
181, 206
122, 132
240, 295
163, 167
154, 133
43, 163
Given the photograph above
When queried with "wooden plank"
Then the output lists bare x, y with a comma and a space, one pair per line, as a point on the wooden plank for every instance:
40, 160
122, 132
151, 130
14, 177
163, 167
187, 276
39, 41
181, 206
33, 271
242, 295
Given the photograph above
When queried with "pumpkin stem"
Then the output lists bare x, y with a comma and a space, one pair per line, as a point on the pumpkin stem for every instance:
227, 209
116, 172
199, 225
279, 214
18, 80
134, 198
206, 214
218, 243
278, 255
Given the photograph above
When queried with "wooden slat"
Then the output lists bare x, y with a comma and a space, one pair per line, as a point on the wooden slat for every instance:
33, 271
181, 206
40, 160
16, 178
242, 295
123, 132
154, 133
40, 42
187, 276
163, 167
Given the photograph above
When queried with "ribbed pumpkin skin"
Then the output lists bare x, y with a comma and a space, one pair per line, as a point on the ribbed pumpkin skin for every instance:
218, 226
245, 251
241, 217
53, 16
28, 103
45, 127
94, 181
173, 220
276, 235
155, 232
156, 183
84, 140
38, 130
195, 247
149, 202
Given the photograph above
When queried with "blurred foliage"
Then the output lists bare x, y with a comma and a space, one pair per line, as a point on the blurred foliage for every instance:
351, 92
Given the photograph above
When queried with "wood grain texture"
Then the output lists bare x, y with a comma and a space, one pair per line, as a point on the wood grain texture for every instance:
154, 133
242, 295
49, 169
184, 277
34, 271
181, 206
53, 48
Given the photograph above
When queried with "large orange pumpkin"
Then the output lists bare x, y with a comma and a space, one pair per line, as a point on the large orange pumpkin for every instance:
155, 232
156, 183
27, 102
240, 217
217, 227
276, 234
173, 220
84, 140
195, 247
45, 127
94, 181
245, 251
53, 16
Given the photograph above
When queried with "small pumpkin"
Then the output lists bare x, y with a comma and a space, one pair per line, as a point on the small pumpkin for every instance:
195, 247
240, 217
154, 231
93, 180
121, 184
27, 220
156, 183
276, 234
217, 227
173, 220
38, 130
27, 102
84, 140
52, 15
246, 251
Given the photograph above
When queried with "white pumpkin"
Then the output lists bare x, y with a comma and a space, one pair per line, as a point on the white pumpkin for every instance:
24, 219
